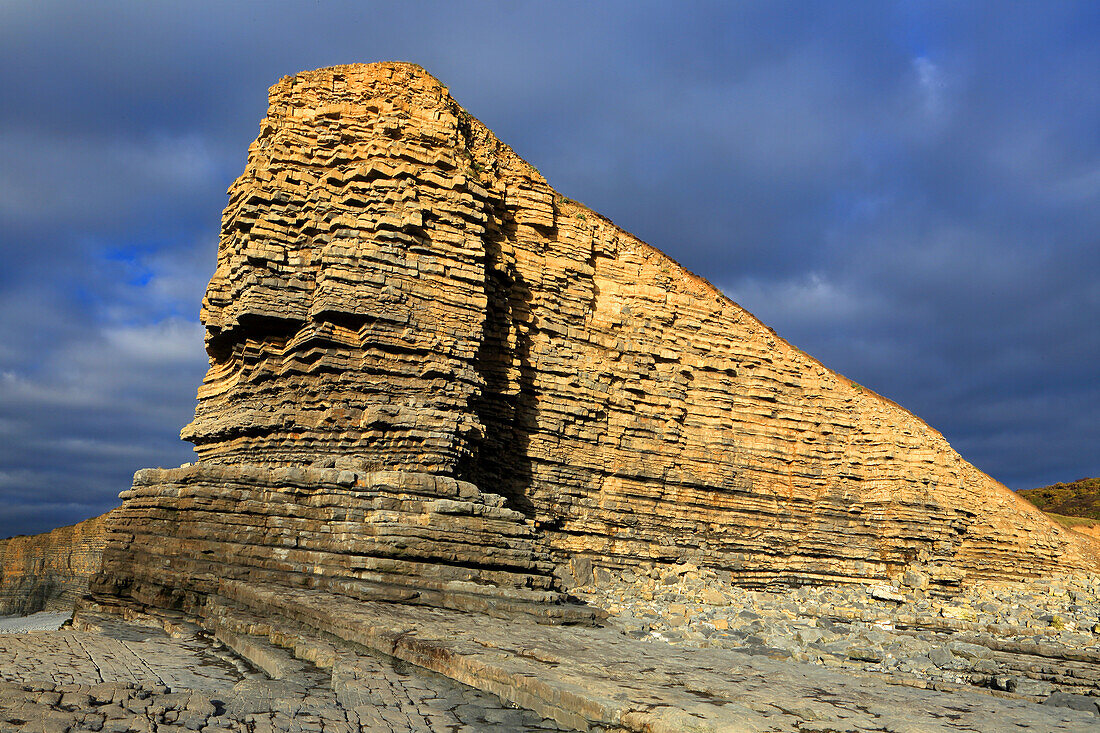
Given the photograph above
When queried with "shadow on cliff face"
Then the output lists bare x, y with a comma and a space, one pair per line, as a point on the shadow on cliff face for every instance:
499, 462
32, 595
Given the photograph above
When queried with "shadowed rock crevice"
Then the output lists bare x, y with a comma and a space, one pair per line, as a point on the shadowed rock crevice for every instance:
506, 404
436, 381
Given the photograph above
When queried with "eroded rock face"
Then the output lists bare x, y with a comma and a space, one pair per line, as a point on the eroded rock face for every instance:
49, 571
349, 304
184, 535
396, 288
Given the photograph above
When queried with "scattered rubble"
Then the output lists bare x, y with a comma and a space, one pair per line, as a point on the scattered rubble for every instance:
1033, 639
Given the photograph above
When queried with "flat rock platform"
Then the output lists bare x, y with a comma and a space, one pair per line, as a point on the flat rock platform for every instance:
123, 677
341, 665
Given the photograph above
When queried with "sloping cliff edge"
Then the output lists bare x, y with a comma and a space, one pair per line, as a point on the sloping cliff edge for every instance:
399, 296
50, 571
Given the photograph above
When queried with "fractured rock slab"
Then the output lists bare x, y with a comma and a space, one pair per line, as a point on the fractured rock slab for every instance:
125, 677
596, 679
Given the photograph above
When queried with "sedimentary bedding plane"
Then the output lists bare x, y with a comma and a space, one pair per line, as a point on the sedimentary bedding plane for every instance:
436, 382
405, 316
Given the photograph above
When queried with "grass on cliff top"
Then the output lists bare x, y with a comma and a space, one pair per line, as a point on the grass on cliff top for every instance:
1072, 522
1077, 499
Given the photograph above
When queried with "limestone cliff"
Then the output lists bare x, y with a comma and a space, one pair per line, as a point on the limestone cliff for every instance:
49, 571
398, 293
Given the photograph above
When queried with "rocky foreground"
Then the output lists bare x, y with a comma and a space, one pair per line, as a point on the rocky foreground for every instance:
1035, 640
115, 676
121, 677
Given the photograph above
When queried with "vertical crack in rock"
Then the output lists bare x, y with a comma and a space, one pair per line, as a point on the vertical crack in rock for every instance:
405, 316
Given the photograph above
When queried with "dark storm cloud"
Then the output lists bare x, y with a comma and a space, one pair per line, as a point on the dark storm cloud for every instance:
908, 191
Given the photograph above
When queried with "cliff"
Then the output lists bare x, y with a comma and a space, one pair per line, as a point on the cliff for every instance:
405, 313
49, 571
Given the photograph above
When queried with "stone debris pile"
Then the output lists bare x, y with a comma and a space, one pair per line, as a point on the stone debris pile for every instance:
1037, 639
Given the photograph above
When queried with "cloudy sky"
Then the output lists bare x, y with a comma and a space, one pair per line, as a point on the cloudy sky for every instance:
908, 191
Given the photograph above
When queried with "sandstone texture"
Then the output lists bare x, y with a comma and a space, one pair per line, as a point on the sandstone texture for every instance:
49, 571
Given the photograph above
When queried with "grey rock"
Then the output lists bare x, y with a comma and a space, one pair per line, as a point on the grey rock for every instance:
865, 653
886, 593
942, 657
1084, 703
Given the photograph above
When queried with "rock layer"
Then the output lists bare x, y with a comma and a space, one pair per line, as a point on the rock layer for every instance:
394, 536
396, 289
49, 571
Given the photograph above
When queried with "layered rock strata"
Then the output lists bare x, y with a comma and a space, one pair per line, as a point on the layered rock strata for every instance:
49, 571
397, 289
388, 535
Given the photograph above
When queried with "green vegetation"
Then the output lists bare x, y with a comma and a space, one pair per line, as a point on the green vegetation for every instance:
1072, 522
1079, 499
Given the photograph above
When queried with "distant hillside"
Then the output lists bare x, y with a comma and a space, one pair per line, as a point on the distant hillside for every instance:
1077, 499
